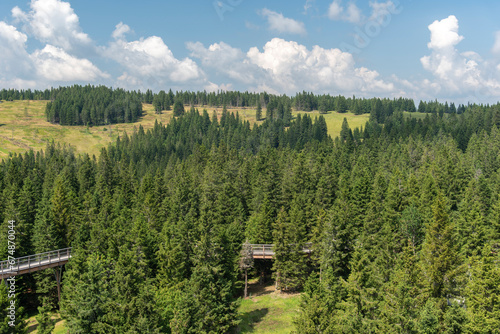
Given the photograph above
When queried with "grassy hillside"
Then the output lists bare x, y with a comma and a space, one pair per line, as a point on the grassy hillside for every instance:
417, 115
266, 311
23, 126
334, 120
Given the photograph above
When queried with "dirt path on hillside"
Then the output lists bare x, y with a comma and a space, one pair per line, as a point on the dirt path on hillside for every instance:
256, 290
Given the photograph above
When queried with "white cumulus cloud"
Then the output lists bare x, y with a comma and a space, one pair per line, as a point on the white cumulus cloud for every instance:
455, 73
335, 10
351, 13
120, 31
14, 59
277, 22
444, 33
226, 60
149, 60
382, 11
496, 46
288, 67
41, 68
294, 68
53, 22
54, 64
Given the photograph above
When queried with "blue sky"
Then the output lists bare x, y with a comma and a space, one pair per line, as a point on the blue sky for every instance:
449, 50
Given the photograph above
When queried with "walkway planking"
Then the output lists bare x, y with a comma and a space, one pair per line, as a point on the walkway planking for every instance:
32, 263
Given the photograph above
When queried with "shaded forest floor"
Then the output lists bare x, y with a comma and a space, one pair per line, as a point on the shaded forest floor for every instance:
267, 311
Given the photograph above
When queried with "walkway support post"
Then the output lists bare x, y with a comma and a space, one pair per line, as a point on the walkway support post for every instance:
57, 273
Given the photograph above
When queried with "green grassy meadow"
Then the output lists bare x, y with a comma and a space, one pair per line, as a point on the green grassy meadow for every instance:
23, 126
334, 120
266, 311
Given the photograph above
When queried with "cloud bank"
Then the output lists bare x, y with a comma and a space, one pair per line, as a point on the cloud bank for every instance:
288, 67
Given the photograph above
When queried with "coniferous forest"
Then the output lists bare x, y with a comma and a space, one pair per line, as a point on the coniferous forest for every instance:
403, 214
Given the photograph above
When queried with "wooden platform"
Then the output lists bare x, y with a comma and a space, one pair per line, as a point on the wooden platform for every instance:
266, 252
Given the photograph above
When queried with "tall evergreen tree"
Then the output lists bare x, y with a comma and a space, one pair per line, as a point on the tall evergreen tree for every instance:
258, 112
483, 292
12, 322
441, 261
87, 295
246, 262
404, 294
207, 304
45, 322
178, 108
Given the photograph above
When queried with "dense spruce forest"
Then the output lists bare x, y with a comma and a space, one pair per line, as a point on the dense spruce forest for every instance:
403, 216
93, 106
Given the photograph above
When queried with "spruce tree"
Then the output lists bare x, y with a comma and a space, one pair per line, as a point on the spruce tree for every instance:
64, 212
289, 265
19, 320
441, 261
472, 224
338, 239
246, 262
45, 323
404, 295
206, 305
86, 296
429, 318
281, 250
258, 112
178, 108
483, 292
455, 318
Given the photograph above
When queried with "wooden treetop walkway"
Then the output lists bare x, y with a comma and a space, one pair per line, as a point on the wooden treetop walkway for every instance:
36, 262
266, 252
32, 263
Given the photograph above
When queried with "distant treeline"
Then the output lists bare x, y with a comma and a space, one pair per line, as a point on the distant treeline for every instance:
97, 105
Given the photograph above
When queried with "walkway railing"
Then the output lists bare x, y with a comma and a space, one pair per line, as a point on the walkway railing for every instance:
266, 251
32, 263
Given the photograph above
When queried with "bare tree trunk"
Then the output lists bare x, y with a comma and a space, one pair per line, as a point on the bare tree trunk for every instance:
246, 283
